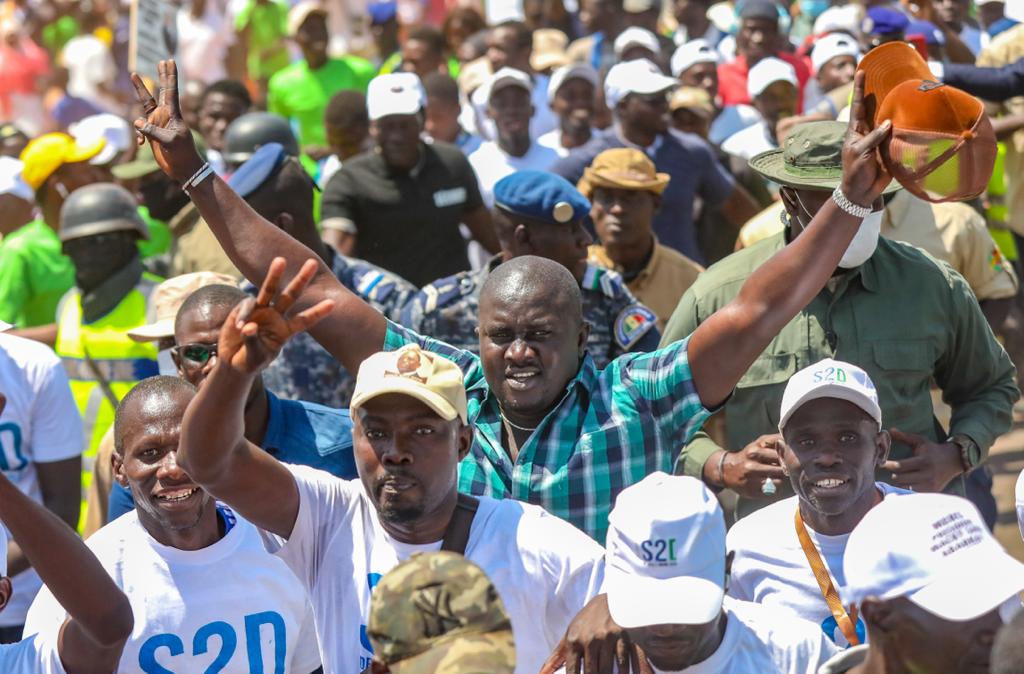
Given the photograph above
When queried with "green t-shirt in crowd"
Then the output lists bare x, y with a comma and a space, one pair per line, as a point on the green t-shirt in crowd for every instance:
34, 275
302, 94
58, 33
268, 27
159, 241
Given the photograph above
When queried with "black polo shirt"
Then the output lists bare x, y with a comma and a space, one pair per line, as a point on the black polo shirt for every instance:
407, 223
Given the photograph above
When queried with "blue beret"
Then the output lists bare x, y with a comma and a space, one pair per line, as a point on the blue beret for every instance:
255, 171
932, 35
381, 12
884, 21
540, 196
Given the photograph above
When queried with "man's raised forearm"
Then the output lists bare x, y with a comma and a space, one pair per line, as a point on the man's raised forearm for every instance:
213, 429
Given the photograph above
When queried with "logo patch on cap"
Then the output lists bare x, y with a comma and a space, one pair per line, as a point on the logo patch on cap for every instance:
633, 322
927, 85
562, 212
659, 552
413, 364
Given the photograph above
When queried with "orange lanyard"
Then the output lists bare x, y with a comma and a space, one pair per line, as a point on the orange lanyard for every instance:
846, 621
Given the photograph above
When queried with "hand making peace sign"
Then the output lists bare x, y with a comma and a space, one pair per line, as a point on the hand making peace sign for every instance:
168, 134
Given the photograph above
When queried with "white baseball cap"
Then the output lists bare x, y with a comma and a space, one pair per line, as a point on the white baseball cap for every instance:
845, 18
114, 129
830, 379
394, 94
766, 72
302, 11
573, 71
506, 77
635, 77
933, 549
831, 46
665, 553
11, 181
638, 37
691, 53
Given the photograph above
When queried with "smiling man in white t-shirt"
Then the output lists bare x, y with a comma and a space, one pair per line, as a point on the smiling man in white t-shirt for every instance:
832, 426
340, 537
205, 594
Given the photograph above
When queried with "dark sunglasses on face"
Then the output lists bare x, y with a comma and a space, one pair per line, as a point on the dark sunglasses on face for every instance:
195, 355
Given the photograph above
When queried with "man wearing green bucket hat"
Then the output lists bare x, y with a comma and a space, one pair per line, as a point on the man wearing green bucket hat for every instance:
889, 308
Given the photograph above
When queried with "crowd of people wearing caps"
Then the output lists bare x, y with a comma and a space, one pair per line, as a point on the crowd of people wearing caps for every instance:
498, 336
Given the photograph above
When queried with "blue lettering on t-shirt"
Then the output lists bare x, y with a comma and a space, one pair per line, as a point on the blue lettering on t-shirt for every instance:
226, 649
11, 457
371, 579
831, 628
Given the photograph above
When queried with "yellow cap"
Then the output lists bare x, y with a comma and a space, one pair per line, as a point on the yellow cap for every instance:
47, 153
432, 379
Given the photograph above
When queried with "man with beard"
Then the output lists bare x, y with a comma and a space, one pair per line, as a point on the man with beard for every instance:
833, 443
550, 428
201, 586
339, 537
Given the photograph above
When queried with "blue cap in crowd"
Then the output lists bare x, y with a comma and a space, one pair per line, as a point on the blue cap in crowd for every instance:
381, 12
539, 195
260, 166
885, 21
932, 35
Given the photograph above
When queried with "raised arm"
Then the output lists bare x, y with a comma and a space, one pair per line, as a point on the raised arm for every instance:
354, 330
213, 449
725, 345
100, 617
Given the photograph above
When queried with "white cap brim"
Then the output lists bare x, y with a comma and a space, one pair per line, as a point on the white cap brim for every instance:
5, 326
964, 593
638, 601
152, 331
834, 391
106, 155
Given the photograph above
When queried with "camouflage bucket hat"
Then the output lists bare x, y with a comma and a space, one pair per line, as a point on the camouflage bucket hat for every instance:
439, 612
811, 158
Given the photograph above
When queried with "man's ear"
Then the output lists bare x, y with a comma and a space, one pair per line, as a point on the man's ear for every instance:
780, 449
521, 239
883, 444
465, 439
6, 590
584, 337
117, 464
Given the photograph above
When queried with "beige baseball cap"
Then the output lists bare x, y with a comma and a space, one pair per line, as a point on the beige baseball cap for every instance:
168, 297
430, 378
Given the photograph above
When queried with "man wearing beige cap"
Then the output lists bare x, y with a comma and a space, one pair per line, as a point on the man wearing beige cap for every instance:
471, 635
411, 417
625, 193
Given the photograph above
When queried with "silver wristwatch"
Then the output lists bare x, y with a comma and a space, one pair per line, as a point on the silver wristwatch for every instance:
848, 206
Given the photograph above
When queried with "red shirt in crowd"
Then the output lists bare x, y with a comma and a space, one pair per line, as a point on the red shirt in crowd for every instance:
732, 78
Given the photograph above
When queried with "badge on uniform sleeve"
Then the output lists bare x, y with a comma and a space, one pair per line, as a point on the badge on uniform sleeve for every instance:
633, 323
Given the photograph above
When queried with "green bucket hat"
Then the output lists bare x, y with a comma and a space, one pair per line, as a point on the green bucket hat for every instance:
811, 159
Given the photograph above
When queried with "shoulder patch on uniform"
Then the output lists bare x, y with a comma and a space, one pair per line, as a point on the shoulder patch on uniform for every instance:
633, 322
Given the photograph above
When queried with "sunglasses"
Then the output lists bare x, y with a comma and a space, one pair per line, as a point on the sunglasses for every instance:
195, 355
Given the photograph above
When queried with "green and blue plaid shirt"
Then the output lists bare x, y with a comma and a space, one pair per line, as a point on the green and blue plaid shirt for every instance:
613, 427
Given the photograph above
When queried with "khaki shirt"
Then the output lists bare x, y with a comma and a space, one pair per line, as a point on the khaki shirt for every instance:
903, 316
1004, 49
766, 223
661, 283
195, 248
99, 491
954, 233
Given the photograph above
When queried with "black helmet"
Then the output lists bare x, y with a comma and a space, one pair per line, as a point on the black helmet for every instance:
100, 208
252, 130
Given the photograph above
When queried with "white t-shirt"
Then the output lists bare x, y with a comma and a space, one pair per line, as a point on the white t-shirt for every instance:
762, 640
491, 164
203, 43
39, 425
749, 142
230, 607
731, 120
34, 655
543, 120
1019, 498
544, 569
553, 140
90, 63
770, 568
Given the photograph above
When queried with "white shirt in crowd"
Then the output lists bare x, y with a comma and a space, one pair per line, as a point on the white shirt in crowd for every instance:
732, 119
491, 164
34, 655
971, 37
90, 63
203, 43
543, 120
39, 425
762, 640
230, 607
544, 569
553, 139
770, 567
749, 142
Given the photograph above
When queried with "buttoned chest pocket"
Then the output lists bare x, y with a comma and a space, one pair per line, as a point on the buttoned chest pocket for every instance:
902, 373
753, 409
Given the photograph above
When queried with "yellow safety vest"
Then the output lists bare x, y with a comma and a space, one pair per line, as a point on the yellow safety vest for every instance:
996, 214
121, 361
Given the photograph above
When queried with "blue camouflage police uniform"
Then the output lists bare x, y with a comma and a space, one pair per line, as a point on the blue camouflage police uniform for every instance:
448, 308
304, 370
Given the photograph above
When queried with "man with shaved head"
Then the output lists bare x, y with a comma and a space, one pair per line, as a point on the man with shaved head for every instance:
551, 428
191, 568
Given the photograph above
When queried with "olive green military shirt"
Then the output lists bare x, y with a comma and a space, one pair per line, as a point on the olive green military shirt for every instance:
903, 316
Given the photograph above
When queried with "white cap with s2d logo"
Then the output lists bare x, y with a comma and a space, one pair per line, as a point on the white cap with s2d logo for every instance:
830, 379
